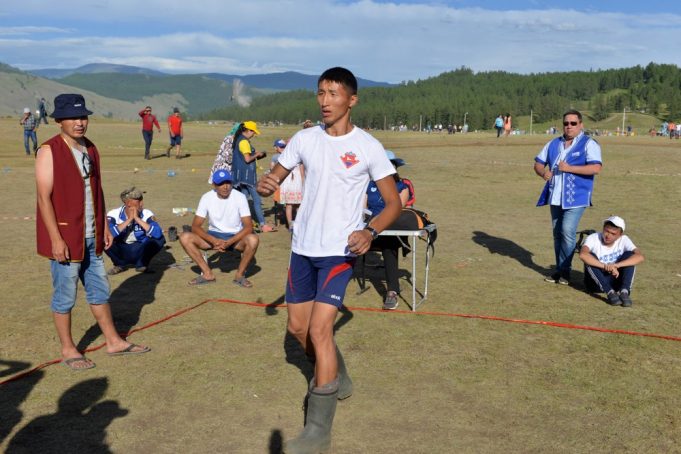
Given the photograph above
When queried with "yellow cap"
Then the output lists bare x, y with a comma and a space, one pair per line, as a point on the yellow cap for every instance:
252, 126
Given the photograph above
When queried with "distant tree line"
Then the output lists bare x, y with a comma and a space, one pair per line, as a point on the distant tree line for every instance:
480, 98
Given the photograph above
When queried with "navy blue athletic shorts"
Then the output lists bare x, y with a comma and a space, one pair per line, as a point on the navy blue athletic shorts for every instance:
322, 279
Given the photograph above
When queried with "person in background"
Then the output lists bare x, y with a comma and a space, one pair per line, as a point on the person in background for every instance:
389, 246
71, 228
30, 125
611, 258
508, 124
568, 164
279, 207
244, 169
137, 237
499, 124
148, 122
230, 228
291, 190
42, 111
176, 133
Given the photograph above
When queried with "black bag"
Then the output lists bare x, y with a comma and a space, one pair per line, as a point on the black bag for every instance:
413, 219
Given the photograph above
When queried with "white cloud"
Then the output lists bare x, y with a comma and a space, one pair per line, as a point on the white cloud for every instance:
381, 41
31, 30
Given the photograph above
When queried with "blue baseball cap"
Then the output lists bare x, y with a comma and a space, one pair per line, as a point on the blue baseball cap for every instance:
221, 176
397, 162
279, 143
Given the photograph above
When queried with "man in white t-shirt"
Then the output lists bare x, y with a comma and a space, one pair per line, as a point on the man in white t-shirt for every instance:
611, 258
340, 159
229, 228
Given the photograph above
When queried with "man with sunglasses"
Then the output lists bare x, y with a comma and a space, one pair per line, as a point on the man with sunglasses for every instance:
71, 228
148, 122
568, 164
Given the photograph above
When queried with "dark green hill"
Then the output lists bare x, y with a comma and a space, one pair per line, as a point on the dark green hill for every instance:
480, 97
198, 93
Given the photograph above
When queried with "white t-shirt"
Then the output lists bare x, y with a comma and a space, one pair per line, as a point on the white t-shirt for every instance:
337, 173
608, 254
224, 215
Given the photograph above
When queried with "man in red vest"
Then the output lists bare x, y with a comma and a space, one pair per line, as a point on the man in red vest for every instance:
71, 228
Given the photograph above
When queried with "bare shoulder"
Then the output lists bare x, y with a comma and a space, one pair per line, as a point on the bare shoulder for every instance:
43, 161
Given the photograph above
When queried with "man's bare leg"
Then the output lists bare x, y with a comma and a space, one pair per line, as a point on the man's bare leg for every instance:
322, 318
194, 247
114, 342
299, 324
62, 323
247, 246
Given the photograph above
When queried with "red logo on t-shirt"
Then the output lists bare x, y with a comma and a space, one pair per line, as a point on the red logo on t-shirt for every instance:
349, 159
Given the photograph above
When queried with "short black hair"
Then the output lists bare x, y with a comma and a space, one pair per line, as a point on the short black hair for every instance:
342, 76
610, 224
573, 112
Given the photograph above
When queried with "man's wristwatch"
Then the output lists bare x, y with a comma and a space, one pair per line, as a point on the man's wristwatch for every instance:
374, 233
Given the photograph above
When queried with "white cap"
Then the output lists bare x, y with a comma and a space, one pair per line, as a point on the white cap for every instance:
27, 110
616, 221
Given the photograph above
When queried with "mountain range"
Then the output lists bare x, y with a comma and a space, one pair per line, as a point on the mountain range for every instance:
289, 80
120, 91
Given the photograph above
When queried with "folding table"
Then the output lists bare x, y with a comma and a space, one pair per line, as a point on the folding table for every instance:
413, 237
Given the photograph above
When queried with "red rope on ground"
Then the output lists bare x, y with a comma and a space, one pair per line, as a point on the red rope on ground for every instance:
363, 309
92, 349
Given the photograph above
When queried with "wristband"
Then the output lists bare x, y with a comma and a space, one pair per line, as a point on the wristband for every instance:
374, 233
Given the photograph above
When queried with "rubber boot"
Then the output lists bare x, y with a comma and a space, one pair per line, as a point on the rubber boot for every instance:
316, 435
345, 382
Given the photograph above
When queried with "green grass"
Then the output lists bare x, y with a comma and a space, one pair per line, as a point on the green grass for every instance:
218, 378
641, 123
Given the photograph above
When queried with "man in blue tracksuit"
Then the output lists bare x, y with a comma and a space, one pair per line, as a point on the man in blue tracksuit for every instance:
568, 164
137, 235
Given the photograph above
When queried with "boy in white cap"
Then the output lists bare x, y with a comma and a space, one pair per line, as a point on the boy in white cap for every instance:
611, 258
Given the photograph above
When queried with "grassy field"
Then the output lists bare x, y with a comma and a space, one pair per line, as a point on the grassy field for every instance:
224, 378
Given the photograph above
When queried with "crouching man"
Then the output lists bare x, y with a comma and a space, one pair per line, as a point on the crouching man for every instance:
137, 235
611, 258
230, 227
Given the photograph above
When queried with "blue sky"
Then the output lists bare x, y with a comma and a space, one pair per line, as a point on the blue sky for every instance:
381, 40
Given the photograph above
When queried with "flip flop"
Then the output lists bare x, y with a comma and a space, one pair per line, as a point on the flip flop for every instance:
130, 350
243, 282
200, 280
71, 363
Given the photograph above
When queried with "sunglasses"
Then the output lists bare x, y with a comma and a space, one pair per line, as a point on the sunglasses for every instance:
571, 123
87, 166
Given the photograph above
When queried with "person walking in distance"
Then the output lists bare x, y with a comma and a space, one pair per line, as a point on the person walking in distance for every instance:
148, 122
176, 133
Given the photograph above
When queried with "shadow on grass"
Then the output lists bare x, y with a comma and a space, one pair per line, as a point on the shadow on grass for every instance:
276, 445
128, 299
227, 262
295, 354
508, 248
78, 426
370, 268
14, 393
